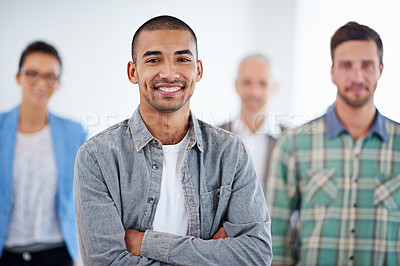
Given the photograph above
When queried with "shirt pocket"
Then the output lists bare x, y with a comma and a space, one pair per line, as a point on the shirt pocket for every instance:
387, 193
213, 205
321, 188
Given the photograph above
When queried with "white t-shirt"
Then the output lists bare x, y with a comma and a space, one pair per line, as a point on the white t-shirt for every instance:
34, 219
257, 142
171, 215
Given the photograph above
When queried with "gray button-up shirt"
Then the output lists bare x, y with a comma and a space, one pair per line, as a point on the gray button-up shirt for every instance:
117, 186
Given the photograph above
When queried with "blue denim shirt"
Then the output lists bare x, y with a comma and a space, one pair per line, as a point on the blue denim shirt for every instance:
117, 186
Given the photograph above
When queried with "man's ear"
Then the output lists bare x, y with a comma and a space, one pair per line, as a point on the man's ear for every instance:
380, 70
199, 70
132, 74
18, 78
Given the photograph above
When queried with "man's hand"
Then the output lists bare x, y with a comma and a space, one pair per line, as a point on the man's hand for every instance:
221, 233
133, 240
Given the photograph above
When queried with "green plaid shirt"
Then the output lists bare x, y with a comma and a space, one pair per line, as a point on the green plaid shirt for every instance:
347, 193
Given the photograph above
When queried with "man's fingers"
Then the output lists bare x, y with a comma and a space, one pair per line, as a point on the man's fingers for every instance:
220, 234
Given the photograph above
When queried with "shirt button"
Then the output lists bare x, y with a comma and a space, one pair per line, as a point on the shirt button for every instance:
353, 230
150, 200
155, 142
351, 258
155, 167
355, 205
26, 256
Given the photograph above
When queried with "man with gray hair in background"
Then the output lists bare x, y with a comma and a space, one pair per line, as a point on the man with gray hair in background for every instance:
255, 85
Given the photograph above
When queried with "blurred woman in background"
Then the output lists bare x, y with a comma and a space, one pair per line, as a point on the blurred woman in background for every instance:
37, 154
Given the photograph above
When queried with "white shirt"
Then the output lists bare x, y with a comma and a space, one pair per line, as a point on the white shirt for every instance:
257, 142
34, 218
171, 215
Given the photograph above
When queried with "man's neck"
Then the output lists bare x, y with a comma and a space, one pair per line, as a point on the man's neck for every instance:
357, 121
169, 128
252, 122
31, 118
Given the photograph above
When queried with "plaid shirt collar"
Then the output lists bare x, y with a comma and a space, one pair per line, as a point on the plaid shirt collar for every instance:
335, 127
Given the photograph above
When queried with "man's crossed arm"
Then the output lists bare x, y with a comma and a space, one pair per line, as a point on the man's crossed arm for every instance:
134, 239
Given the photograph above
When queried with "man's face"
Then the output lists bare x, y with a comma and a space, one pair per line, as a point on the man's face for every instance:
166, 69
39, 78
253, 85
355, 71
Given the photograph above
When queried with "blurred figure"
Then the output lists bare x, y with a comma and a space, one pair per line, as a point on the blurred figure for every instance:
255, 86
37, 154
342, 170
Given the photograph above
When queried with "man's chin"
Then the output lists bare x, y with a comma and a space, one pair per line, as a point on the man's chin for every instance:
167, 108
356, 103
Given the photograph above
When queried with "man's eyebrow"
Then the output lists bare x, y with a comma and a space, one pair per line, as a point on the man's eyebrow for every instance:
368, 61
187, 51
148, 53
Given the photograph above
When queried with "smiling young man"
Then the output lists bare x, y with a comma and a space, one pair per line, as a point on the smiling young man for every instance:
164, 187
342, 170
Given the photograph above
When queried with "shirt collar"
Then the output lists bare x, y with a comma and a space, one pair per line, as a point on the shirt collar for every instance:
335, 126
268, 127
142, 136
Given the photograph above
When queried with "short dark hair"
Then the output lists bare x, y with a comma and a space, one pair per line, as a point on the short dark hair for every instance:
38, 46
354, 31
161, 23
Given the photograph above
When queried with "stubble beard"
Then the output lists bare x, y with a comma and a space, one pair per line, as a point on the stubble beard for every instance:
165, 108
357, 103
171, 107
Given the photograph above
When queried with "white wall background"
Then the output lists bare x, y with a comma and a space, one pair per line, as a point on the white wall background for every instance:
94, 39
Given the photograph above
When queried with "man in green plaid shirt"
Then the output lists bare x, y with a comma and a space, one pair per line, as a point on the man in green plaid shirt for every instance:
342, 170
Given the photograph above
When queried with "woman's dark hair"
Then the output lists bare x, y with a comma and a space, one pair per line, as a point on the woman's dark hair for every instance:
38, 46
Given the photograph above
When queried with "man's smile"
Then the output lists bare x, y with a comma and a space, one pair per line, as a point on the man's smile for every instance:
169, 90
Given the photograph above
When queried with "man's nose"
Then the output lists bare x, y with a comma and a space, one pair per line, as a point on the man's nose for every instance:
357, 75
255, 91
169, 71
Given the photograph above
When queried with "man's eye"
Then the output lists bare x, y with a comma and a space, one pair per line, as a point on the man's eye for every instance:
152, 60
246, 83
346, 65
184, 60
368, 66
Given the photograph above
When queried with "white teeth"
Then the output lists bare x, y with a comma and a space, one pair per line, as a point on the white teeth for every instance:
169, 89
